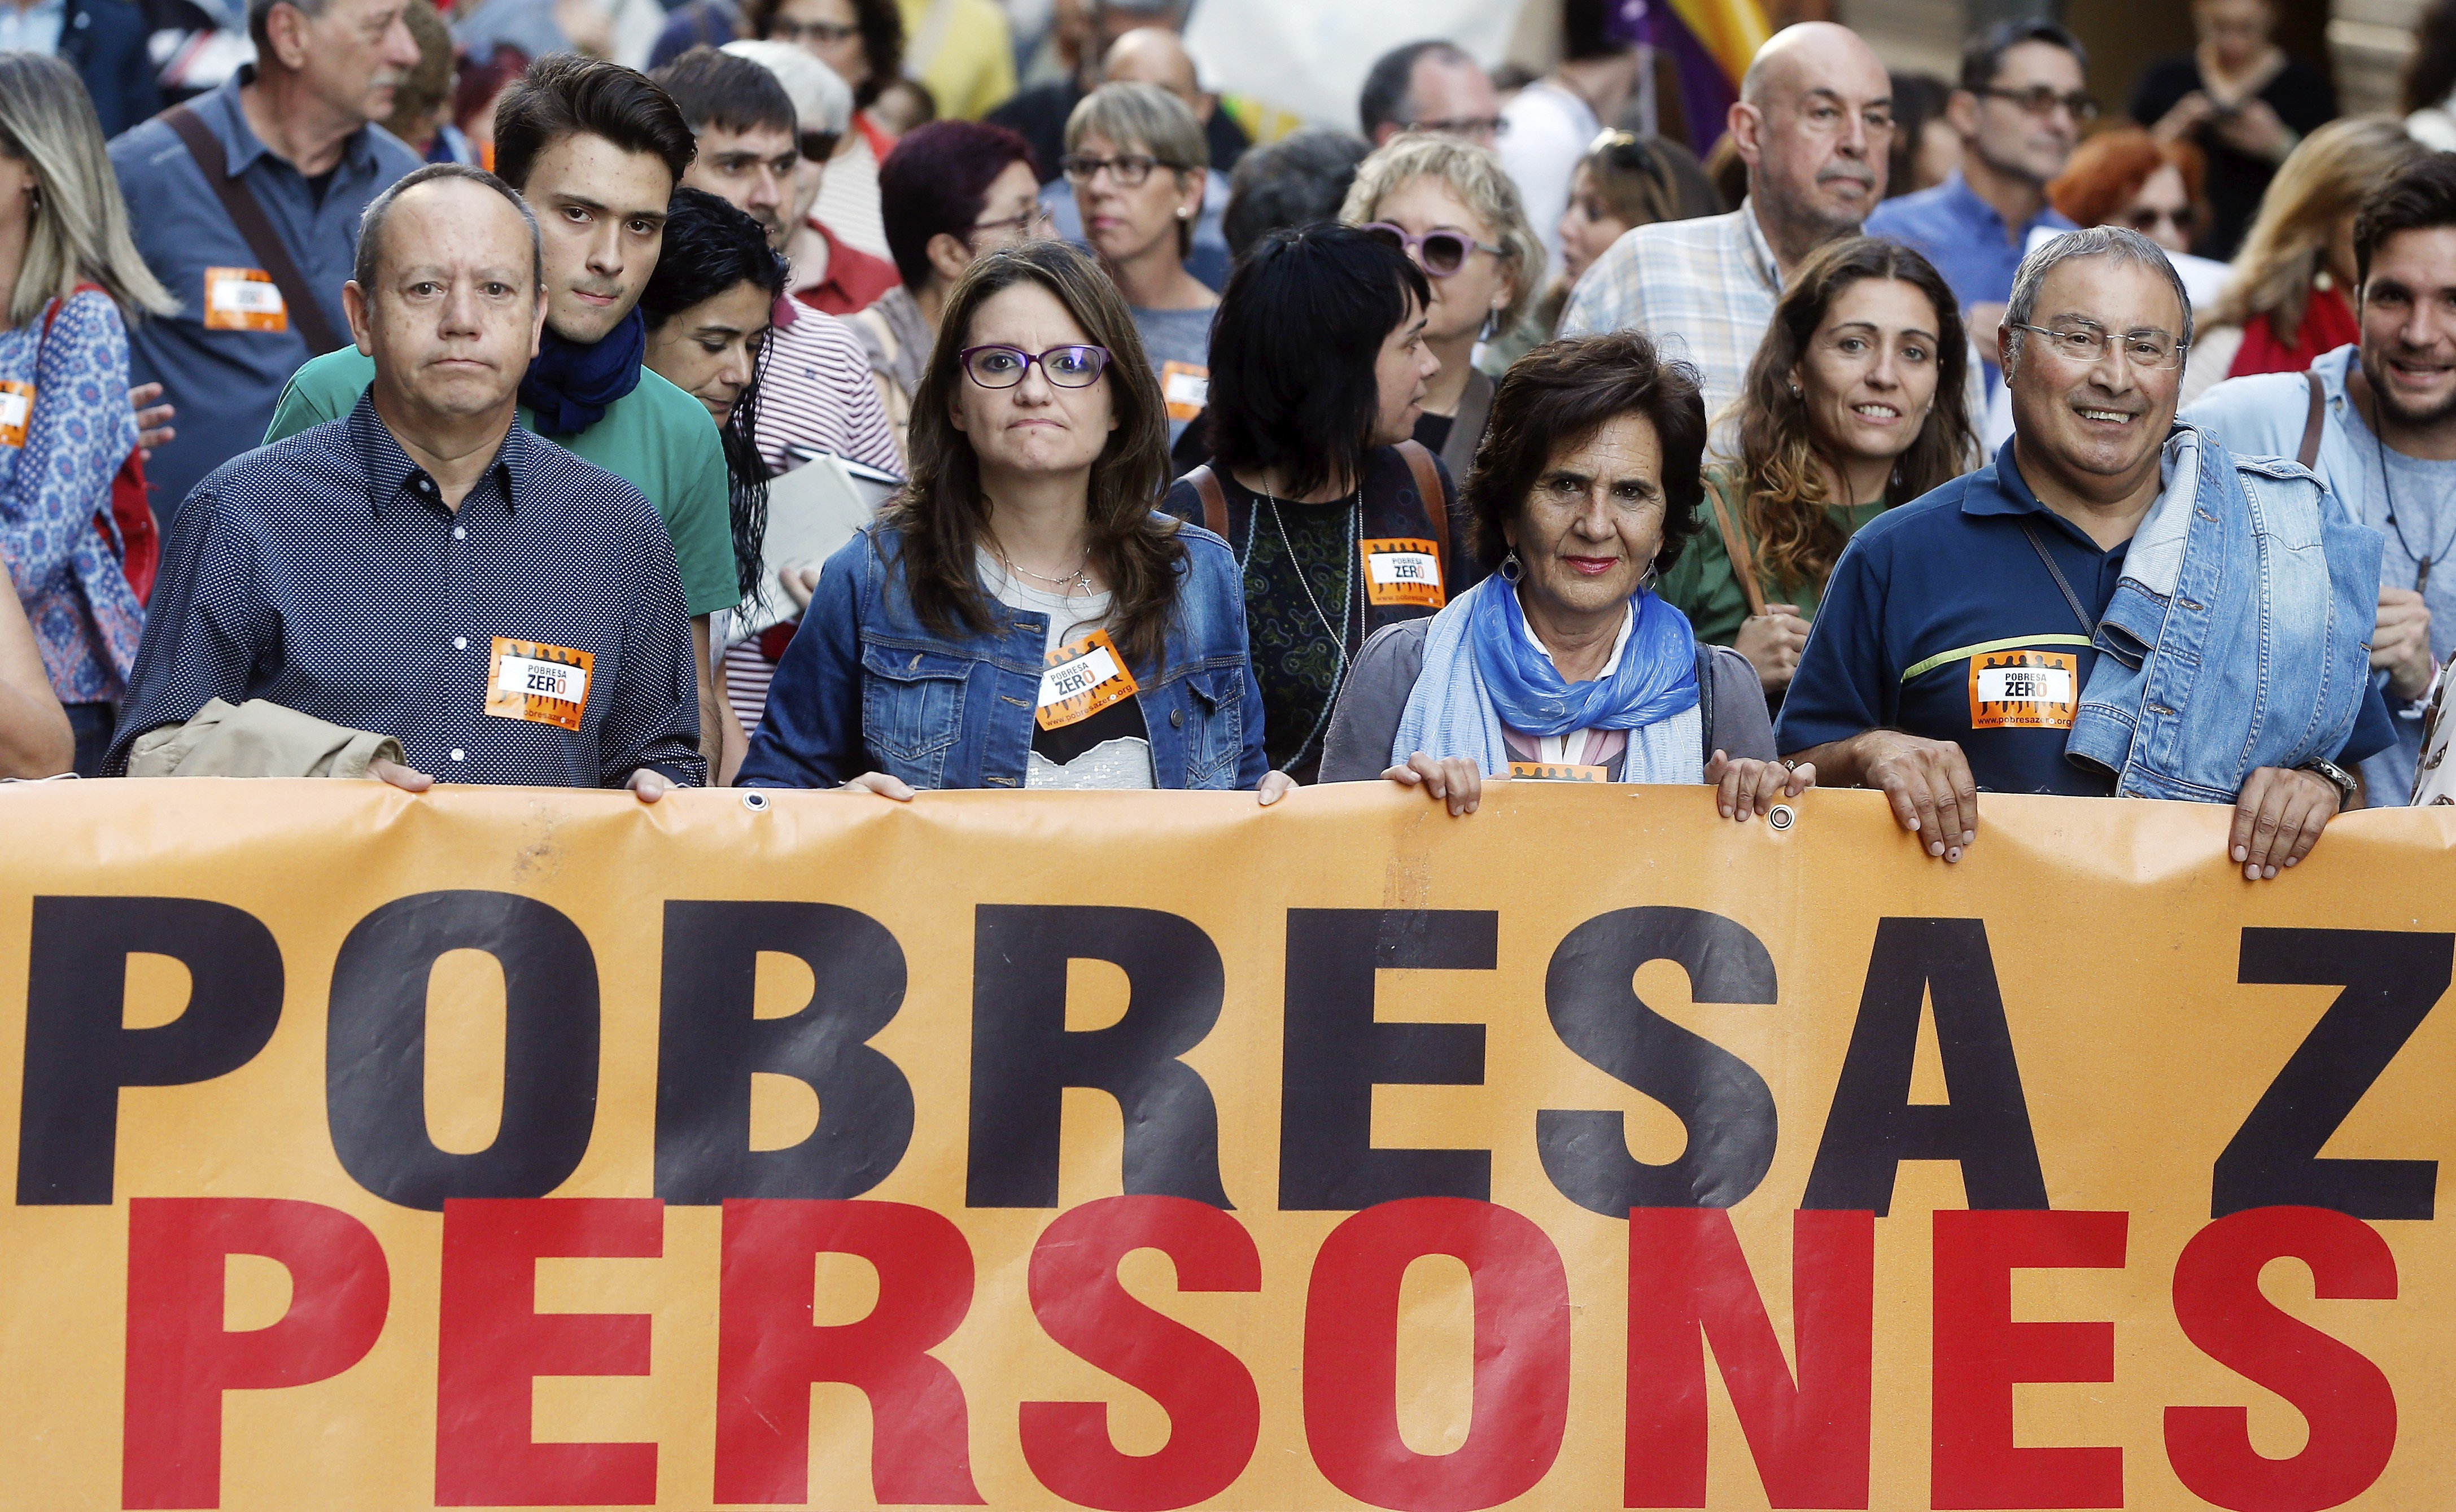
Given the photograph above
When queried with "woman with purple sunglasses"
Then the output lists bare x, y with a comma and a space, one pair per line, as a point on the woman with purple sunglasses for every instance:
1452, 209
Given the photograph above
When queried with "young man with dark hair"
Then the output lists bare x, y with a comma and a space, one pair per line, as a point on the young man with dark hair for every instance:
815, 395
2377, 422
595, 150
423, 568
2019, 111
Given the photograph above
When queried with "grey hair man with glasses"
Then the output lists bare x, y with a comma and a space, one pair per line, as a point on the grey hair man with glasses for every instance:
2114, 607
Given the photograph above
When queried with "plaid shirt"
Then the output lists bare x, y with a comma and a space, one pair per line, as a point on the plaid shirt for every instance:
1704, 289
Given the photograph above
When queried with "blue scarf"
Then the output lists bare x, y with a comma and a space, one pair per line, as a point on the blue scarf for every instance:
570, 387
1655, 678
1482, 670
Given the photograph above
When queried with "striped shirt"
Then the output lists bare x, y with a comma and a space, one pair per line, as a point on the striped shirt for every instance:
816, 394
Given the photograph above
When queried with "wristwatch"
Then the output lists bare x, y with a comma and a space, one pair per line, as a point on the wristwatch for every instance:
2342, 779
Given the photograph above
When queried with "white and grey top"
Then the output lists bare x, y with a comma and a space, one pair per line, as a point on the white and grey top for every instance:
1108, 751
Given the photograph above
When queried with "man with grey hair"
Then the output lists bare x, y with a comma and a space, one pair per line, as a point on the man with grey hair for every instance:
245, 203
425, 568
2102, 612
1813, 122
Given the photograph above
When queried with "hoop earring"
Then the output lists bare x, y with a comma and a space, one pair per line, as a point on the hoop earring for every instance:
1512, 569
1647, 579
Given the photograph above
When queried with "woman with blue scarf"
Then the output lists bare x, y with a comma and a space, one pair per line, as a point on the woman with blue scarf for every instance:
1565, 666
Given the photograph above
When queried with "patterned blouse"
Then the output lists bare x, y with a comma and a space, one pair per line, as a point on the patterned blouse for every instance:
53, 485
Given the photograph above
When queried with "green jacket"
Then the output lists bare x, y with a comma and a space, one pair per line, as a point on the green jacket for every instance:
1702, 584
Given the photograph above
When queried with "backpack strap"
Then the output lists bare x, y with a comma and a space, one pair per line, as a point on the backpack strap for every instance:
1706, 702
1215, 500
1735, 546
2311, 427
247, 216
1437, 501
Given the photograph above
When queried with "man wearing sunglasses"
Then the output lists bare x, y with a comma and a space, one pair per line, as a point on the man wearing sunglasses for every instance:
2018, 112
2102, 612
760, 112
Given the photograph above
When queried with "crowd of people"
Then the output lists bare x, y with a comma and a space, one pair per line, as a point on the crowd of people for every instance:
410, 404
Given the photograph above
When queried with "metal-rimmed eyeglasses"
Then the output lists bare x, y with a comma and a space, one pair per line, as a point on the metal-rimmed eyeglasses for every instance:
1003, 367
2088, 345
1438, 253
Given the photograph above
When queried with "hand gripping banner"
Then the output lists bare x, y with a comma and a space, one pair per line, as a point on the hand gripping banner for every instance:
515, 1148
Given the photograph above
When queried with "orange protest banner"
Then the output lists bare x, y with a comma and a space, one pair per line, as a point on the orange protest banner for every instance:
1147, 1150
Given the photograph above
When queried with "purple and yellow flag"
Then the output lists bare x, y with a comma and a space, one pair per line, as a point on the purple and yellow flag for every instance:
1710, 42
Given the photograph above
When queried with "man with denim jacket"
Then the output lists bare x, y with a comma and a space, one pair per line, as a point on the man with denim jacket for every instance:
2387, 438
2117, 607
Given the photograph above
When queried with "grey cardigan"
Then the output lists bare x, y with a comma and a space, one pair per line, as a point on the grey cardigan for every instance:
1366, 719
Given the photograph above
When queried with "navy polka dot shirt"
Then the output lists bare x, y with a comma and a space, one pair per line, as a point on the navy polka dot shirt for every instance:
326, 574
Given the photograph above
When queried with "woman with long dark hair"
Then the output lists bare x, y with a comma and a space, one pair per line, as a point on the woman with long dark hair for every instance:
708, 307
1019, 615
1855, 402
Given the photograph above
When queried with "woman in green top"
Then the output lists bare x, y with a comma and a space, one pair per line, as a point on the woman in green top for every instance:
1854, 402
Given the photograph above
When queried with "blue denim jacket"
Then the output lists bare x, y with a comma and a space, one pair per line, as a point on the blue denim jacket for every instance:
867, 686
2240, 635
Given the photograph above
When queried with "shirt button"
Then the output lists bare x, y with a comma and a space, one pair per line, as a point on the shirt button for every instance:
459, 531
460, 642
460, 756
1175, 719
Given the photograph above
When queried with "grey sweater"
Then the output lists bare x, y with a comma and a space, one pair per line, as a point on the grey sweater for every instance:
1366, 719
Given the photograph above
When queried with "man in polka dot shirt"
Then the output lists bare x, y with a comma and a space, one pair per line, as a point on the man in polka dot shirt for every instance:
423, 568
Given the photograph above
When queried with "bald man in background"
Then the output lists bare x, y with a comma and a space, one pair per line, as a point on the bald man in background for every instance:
1813, 122
1157, 55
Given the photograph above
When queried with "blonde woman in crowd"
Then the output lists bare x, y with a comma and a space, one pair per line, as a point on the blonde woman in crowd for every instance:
1450, 207
69, 283
2291, 297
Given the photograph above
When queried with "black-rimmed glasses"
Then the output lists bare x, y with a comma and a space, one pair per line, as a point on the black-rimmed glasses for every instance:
2042, 100
1003, 367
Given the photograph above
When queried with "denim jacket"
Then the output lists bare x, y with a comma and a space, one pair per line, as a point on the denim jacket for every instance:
2265, 416
867, 685
2238, 636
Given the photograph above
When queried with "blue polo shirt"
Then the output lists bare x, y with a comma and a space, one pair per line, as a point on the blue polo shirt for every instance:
1967, 240
1929, 594
225, 380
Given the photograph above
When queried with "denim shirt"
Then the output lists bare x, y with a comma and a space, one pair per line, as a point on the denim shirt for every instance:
2240, 635
867, 685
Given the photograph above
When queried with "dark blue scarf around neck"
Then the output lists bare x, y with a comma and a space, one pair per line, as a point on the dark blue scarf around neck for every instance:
569, 386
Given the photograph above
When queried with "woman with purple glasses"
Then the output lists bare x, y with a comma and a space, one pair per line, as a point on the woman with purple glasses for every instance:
1019, 615
1453, 210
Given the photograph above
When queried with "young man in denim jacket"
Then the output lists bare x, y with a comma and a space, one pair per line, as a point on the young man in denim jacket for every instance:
2386, 440
2117, 606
